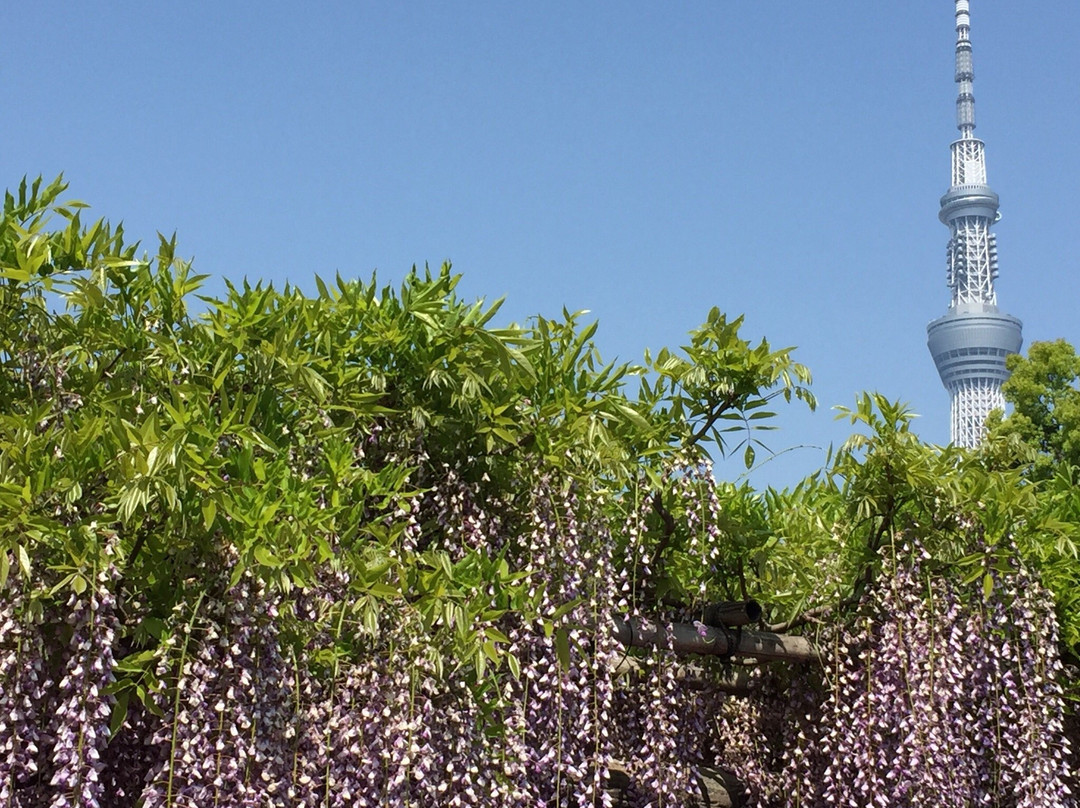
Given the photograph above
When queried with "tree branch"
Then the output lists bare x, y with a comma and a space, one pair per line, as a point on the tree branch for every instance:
714, 416
108, 368
669, 524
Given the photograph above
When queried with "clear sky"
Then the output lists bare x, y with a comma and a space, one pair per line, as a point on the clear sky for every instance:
642, 160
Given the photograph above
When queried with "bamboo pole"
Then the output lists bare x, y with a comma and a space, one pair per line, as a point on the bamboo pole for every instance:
683, 638
731, 614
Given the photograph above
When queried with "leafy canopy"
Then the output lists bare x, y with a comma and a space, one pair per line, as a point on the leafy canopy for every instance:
291, 436
1044, 391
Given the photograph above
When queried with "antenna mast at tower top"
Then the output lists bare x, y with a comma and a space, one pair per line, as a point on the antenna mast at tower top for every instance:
965, 74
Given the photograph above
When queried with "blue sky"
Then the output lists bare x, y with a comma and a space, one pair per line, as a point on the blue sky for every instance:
642, 160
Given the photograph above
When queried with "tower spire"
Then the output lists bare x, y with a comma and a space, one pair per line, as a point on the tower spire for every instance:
969, 344
965, 74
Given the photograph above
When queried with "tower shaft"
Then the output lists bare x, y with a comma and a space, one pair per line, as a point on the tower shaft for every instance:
969, 344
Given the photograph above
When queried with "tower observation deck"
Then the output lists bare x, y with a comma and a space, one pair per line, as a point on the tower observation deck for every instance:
969, 344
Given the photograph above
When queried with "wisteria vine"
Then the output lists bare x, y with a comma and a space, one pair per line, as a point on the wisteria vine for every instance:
362, 550
931, 697
927, 701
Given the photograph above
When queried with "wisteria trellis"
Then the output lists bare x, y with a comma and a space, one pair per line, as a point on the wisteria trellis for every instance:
363, 549
927, 700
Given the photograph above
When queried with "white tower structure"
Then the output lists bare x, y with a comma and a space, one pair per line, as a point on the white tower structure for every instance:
969, 344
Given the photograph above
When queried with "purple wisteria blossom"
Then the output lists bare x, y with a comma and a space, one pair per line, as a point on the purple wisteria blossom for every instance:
25, 690
931, 696
80, 723
939, 703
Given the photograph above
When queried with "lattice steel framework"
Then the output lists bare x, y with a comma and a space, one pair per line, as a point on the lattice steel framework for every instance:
970, 343
972, 261
972, 401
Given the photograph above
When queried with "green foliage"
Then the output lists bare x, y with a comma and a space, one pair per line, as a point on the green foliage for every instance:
295, 436
1044, 391
830, 533
1042, 438
290, 436
722, 385
1049, 542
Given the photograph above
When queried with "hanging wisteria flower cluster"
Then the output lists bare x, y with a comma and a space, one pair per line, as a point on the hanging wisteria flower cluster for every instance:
56, 672
928, 701
938, 702
242, 716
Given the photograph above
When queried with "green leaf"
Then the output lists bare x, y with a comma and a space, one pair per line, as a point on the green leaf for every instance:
24, 560
136, 663
267, 558
635, 417
562, 648
15, 274
382, 590
119, 712
505, 434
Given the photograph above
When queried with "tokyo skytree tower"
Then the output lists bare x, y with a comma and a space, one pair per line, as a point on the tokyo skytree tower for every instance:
969, 344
